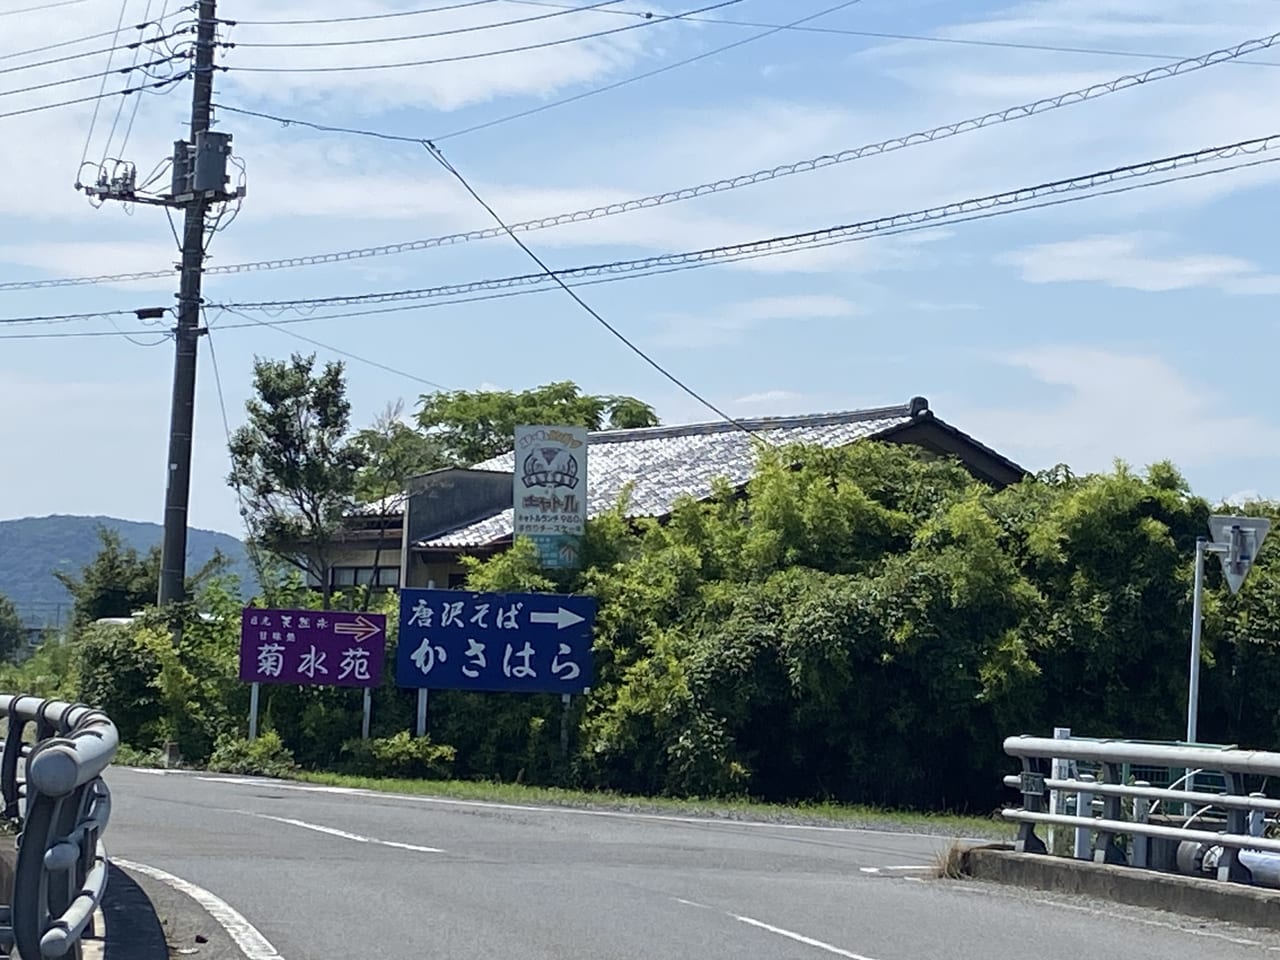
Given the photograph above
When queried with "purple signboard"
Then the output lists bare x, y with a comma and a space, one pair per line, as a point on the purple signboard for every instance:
320, 648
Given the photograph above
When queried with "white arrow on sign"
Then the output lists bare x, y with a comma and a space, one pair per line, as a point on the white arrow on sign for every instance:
561, 618
1239, 538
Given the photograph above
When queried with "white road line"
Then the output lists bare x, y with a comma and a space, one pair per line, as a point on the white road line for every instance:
581, 812
801, 938
246, 936
345, 835
779, 931
907, 868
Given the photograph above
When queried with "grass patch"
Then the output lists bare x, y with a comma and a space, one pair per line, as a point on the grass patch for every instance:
815, 814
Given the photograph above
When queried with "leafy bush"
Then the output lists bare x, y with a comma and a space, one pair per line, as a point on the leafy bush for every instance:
127, 756
400, 755
267, 756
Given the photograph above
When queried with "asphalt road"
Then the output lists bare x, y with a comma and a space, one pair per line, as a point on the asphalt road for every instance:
326, 873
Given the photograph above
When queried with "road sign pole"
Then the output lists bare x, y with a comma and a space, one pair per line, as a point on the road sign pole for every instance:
566, 704
253, 711
421, 727
368, 713
1197, 606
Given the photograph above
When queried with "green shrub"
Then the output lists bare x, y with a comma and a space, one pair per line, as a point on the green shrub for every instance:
400, 755
127, 756
267, 756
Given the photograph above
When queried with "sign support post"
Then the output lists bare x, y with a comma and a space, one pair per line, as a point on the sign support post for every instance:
422, 712
420, 726
253, 711
367, 713
1235, 541
566, 703
1197, 621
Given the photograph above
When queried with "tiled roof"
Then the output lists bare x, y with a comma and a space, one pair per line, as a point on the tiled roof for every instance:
392, 506
666, 463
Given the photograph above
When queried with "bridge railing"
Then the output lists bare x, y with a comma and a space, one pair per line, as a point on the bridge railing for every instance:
51, 765
1133, 822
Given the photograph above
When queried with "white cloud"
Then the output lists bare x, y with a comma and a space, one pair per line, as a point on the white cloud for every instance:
767, 397
1118, 260
89, 258
729, 323
1242, 497
1128, 405
456, 33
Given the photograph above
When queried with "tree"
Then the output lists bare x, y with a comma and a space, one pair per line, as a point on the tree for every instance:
393, 452
120, 581
471, 426
13, 632
293, 463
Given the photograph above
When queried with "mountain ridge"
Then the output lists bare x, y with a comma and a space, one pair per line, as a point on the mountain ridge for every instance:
32, 548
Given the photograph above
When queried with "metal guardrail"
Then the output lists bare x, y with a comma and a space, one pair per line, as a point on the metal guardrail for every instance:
1143, 825
53, 793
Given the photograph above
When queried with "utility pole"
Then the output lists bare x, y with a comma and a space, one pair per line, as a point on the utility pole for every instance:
199, 182
173, 552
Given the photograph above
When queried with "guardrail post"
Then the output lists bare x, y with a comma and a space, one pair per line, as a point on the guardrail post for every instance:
1084, 808
1141, 814
1104, 847
1229, 866
1257, 818
1033, 800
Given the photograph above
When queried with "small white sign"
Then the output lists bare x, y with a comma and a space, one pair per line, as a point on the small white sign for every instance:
550, 481
1242, 537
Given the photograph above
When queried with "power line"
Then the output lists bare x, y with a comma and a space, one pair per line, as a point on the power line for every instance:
106, 147
102, 88
942, 221
372, 16
332, 349
92, 76
645, 75
910, 37
968, 125
55, 46
475, 28
325, 128
137, 103
91, 53
155, 85
68, 317
40, 7
547, 271
804, 240
487, 53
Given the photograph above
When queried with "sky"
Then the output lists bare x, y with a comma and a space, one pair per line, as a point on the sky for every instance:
1134, 325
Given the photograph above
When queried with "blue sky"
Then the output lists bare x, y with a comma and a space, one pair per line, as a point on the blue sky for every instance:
1133, 326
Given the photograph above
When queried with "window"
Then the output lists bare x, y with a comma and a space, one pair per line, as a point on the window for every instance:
343, 577
457, 581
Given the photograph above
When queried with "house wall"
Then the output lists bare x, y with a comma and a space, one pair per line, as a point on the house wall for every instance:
446, 573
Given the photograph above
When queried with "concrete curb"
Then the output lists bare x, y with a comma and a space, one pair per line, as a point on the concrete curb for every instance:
1231, 902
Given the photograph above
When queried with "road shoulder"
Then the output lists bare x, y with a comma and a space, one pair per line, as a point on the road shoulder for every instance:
146, 919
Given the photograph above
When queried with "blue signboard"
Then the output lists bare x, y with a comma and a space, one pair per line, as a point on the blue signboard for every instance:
520, 642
